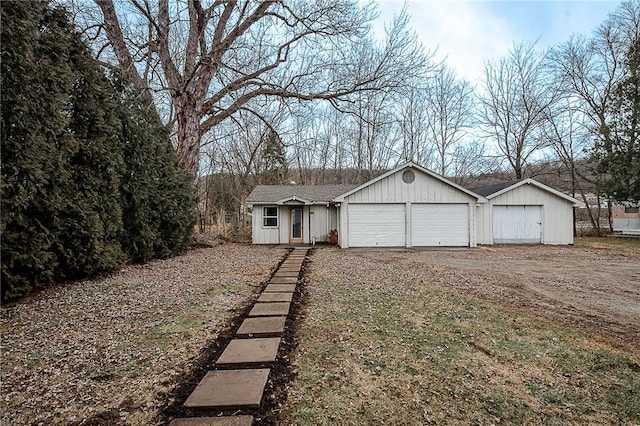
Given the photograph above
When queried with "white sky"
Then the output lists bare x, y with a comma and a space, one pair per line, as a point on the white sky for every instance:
469, 32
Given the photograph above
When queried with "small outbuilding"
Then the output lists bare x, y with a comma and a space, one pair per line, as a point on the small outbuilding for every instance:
525, 212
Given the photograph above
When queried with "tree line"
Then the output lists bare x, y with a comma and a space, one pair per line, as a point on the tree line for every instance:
90, 180
226, 77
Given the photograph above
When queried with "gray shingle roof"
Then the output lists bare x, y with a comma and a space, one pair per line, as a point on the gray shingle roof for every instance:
313, 193
485, 191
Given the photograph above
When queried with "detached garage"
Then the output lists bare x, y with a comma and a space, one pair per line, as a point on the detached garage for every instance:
525, 212
408, 207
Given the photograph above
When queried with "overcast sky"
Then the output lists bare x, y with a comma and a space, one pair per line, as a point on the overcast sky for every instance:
469, 32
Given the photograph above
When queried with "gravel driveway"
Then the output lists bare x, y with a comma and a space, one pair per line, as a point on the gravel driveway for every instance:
596, 290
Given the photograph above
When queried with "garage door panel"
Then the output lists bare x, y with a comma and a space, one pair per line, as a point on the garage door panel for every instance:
376, 225
439, 225
517, 224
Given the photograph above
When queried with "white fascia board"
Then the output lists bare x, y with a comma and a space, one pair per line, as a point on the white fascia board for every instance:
529, 181
480, 199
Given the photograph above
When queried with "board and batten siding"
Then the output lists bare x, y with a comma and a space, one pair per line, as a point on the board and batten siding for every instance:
317, 220
323, 218
557, 214
393, 190
260, 234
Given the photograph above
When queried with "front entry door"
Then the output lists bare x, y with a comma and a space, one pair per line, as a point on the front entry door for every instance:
295, 236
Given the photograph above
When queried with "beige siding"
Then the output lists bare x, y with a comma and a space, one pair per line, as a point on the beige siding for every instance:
319, 224
557, 214
392, 189
260, 234
483, 217
316, 222
424, 189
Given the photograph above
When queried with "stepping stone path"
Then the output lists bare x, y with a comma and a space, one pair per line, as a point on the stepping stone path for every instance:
234, 384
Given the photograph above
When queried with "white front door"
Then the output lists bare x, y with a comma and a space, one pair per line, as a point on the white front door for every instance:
517, 224
295, 231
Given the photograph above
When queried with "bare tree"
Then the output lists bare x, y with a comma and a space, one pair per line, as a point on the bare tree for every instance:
209, 59
449, 115
590, 69
412, 118
516, 96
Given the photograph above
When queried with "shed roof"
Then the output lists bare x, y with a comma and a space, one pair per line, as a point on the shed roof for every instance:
262, 194
492, 191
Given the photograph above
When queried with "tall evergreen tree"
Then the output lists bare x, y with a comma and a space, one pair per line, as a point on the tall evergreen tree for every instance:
60, 206
274, 159
619, 149
75, 153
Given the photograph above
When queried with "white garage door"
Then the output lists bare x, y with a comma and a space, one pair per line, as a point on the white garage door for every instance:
376, 225
517, 224
439, 225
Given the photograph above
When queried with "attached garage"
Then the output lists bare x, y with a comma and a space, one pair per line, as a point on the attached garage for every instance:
439, 225
408, 207
517, 224
524, 212
377, 225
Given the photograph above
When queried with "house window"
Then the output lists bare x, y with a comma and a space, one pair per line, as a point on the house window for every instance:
270, 217
632, 209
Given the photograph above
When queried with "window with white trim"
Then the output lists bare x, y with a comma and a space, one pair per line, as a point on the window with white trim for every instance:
270, 217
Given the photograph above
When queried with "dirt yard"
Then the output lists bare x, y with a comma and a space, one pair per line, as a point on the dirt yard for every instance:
593, 289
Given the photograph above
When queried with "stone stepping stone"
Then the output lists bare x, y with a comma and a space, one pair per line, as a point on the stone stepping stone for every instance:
286, 274
262, 327
283, 280
233, 389
214, 421
287, 268
280, 288
275, 297
250, 351
295, 268
270, 309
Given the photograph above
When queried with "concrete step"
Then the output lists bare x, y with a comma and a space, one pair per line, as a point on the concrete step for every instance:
283, 280
270, 309
214, 421
262, 327
250, 351
286, 274
233, 389
280, 288
275, 297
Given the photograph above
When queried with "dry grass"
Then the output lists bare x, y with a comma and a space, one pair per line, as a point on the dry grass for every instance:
383, 344
118, 343
618, 243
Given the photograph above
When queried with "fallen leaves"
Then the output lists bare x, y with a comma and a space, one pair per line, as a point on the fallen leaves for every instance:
112, 345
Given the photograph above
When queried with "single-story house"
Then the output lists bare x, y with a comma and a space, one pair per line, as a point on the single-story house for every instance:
408, 206
525, 212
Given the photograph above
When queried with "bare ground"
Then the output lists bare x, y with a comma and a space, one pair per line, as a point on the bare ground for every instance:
594, 289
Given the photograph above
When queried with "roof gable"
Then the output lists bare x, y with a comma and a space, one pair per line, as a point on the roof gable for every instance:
492, 191
408, 165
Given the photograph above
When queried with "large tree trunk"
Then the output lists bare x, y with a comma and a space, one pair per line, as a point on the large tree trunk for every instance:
189, 134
